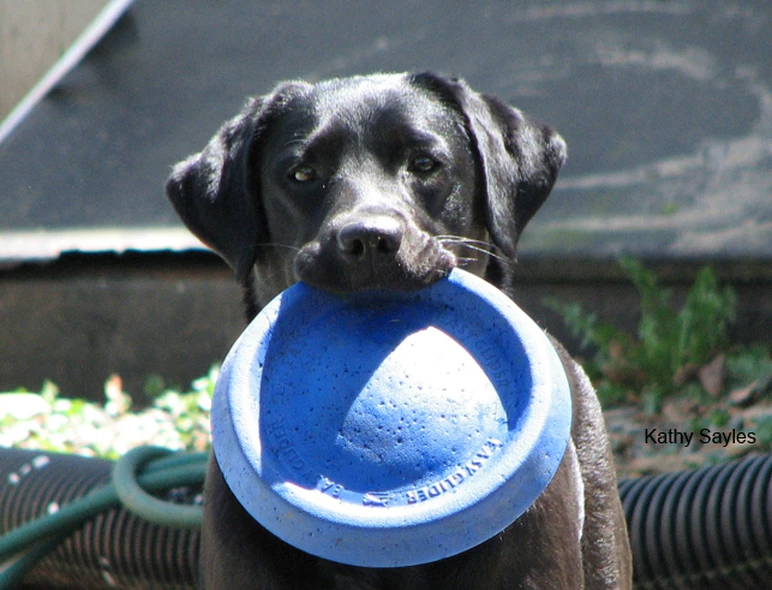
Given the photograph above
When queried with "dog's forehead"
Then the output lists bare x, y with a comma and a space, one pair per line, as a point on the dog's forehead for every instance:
386, 98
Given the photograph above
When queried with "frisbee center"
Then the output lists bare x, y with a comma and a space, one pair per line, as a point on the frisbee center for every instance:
381, 423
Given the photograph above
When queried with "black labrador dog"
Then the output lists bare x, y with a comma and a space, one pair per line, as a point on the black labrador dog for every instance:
388, 182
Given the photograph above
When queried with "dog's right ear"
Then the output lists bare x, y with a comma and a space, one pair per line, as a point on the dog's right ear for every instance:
214, 195
216, 192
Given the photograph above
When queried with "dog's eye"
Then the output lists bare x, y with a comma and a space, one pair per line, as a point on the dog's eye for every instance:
423, 164
303, 174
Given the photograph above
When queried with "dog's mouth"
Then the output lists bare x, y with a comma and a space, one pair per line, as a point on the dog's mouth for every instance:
376, 262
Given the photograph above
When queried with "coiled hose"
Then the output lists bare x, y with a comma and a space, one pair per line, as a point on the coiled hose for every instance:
703, 529
72, 511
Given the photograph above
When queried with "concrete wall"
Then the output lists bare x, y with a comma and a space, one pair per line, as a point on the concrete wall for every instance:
33, 35
80, 319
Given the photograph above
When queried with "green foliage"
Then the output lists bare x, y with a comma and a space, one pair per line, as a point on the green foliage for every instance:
747, 364
764, 432
177, 419
668, 341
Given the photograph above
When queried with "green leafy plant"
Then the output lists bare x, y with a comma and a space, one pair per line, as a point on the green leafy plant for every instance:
764, 432
669, 344
177, 419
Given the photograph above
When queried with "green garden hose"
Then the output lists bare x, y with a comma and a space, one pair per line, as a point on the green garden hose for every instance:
135, 476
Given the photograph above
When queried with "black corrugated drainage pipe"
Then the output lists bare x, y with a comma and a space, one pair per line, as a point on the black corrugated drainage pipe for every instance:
709, 528
701, 529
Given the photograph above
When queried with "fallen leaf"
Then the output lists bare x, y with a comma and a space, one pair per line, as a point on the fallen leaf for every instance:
685, 374
712, 375
745, 395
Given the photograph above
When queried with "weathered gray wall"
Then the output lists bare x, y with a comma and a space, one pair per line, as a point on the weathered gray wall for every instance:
82, 318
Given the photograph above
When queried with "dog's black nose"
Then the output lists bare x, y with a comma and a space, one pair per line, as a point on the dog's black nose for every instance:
370, 237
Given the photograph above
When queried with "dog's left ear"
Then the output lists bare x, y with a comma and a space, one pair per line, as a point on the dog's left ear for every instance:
519, 158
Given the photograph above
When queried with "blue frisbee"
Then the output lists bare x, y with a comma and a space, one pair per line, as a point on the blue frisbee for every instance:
390, 429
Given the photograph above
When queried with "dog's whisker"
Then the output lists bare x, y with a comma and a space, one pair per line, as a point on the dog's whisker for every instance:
480, 245
454, 238
465, 260
477, 246
486, 251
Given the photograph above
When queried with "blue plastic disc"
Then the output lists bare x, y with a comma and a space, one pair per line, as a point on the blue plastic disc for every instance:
388, 430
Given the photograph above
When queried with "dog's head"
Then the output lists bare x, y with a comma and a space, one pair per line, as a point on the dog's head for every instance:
384, 181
